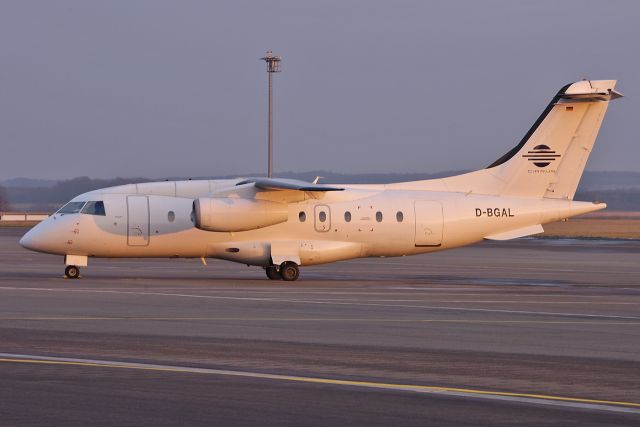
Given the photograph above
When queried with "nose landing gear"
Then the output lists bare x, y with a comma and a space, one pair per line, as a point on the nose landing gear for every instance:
72, 272
73, 263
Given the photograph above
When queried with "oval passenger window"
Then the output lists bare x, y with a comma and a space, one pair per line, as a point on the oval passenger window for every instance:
400, 216
379, 216
347, 216
302, 216
171, 216
322, 216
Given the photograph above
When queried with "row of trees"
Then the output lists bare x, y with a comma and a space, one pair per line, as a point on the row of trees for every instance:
51, 197
4, 200
63, 191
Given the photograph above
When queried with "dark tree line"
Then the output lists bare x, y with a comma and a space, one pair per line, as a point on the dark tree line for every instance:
50, 197
616, 200
64, 191
4, 200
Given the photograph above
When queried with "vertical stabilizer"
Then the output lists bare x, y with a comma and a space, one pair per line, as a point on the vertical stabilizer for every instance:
551, 157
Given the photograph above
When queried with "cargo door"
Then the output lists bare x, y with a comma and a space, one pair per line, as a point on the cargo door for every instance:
138, 220
428, 223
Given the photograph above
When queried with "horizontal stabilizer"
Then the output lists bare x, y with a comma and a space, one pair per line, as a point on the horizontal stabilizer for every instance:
520, 232
287, 184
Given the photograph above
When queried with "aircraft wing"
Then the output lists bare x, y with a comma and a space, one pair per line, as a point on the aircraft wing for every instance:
271, 184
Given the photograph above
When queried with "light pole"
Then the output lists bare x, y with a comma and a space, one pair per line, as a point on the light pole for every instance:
273, 66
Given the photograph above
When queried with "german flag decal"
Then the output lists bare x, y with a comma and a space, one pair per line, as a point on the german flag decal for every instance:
541, 156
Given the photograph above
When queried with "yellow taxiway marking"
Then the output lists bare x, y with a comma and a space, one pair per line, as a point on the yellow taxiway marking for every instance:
303, 319
521, 397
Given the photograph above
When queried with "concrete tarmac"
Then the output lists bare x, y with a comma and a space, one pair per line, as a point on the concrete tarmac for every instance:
529, 332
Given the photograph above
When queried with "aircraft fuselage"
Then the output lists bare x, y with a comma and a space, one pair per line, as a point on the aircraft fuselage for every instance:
149, 220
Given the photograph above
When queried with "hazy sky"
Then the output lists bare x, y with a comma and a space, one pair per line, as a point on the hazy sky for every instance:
175, 88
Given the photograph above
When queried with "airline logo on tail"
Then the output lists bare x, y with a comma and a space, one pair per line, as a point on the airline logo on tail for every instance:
541, 156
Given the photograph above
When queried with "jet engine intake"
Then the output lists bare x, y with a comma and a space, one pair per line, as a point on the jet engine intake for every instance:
236, 214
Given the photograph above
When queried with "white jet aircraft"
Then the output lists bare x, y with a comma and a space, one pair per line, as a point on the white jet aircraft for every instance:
280, 224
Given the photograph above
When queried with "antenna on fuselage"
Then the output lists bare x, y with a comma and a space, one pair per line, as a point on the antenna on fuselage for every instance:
273, 66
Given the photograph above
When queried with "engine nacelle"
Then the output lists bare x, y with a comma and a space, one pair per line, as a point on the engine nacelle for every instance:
231, 214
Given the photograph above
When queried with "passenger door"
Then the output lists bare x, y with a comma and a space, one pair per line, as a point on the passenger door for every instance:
138, 220
322, 218
428, 223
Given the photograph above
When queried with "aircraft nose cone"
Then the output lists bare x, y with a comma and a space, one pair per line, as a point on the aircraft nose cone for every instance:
27, 241
38, 239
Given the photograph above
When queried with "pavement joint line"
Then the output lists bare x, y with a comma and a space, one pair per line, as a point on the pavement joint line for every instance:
307, 292
394, 291
307, 319
302, 301
527, 398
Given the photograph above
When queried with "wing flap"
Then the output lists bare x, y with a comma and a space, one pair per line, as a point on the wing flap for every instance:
277, 184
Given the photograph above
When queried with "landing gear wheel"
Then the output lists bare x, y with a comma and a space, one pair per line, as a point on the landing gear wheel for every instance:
289, 271
273, 273
72, 272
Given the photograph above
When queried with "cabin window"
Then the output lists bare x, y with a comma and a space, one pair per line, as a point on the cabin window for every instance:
379, 216
71, 208
171, 216
94, 208
302, 216
322, 216
347, 216
399, 216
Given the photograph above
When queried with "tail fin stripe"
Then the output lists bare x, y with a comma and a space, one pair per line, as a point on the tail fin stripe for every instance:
531, 131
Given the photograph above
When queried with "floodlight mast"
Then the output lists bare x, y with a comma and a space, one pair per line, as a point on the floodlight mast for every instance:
273, 66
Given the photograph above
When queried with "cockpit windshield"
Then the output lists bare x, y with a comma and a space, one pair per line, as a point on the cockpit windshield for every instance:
89, 208
71, 208
94, 208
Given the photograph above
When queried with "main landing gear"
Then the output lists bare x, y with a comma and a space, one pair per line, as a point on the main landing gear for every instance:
273, 273
287, 271
72, 272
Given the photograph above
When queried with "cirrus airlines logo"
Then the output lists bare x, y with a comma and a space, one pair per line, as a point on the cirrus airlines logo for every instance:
541, 156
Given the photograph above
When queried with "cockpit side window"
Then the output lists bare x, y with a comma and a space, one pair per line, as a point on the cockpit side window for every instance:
94, 208
71, 208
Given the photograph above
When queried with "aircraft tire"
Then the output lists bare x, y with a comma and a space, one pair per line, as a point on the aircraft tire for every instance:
72, 272
289, 271
273, 273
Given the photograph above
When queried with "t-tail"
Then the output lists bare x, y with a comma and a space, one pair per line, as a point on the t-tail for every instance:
550, 159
